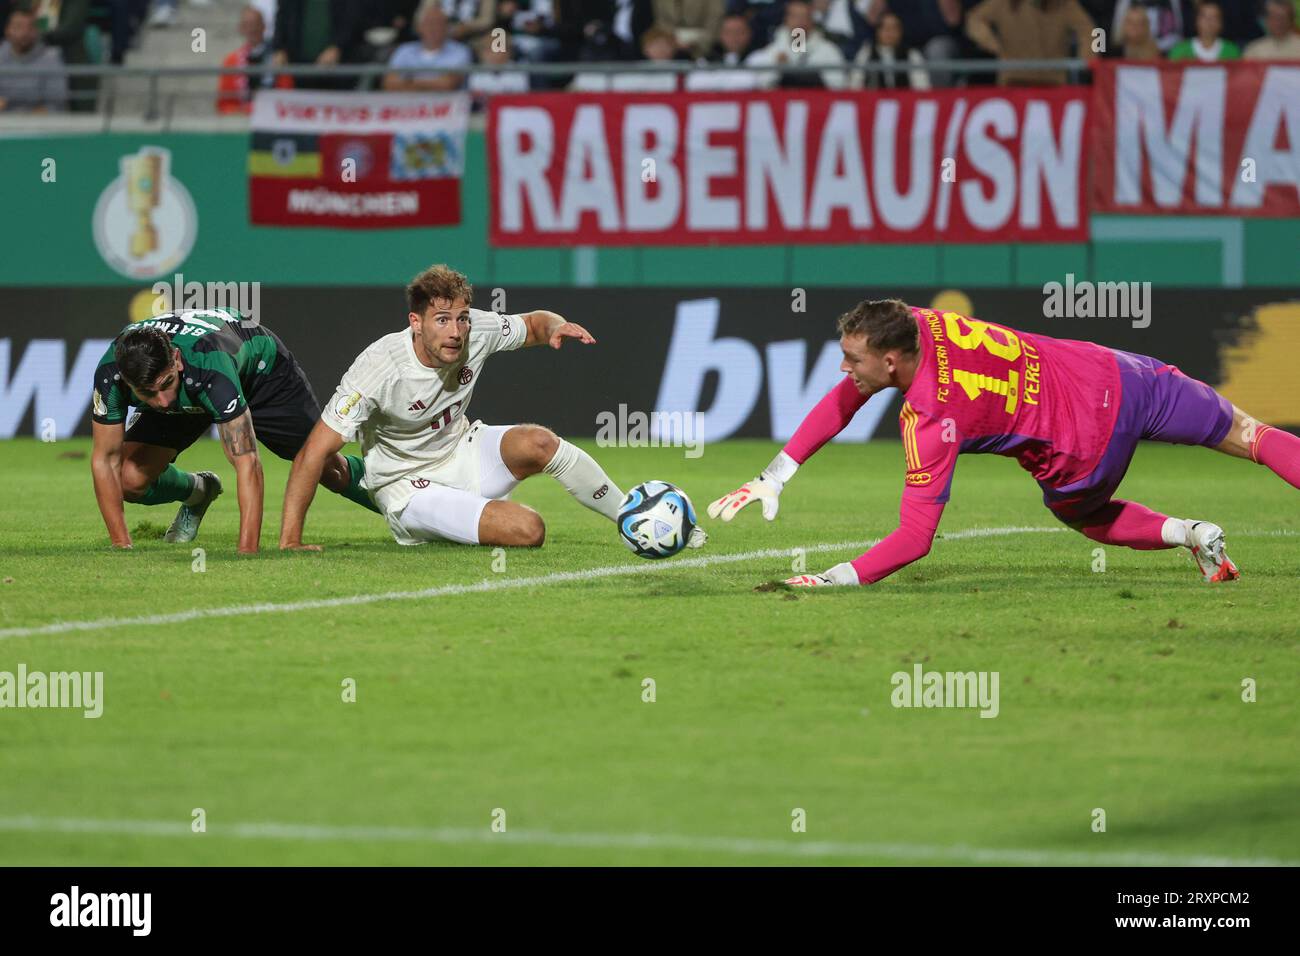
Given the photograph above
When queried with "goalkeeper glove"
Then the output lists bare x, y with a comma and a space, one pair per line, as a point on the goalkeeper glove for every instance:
841, 574
765, 488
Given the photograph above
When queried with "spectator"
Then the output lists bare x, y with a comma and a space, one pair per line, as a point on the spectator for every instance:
267, 9
483, 84
734, 41
233, 89
842, 23
930, 26
764, 17
434, 49
888, 49
1168, 19
1241, 21
1208, 46
327, 33
594, 30
1135, 39
125, 17
693, 23
470, 19
1030, 30
1280, 41
533, 29
22, 46
303, 33
800, 43
658, 47
62, 25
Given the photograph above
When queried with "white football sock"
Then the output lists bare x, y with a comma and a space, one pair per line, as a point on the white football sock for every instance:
200, 489
1174, 532
584, 479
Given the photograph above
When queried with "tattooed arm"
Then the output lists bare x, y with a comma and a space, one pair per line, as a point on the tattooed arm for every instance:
240, 445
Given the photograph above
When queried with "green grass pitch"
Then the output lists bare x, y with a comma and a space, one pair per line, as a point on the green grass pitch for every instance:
1119, 690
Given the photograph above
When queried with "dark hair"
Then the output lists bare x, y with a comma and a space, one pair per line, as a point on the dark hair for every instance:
437, 282
887, 323
142, 353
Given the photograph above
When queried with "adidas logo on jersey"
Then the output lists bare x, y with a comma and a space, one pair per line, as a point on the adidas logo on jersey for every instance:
417, 406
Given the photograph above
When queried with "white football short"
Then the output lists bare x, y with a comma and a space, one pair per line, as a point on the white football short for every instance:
449, 500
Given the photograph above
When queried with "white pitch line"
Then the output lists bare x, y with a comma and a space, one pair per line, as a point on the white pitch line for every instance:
498, 584
796, 848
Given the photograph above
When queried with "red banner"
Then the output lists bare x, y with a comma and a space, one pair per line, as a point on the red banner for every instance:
284, 201
1221, 138
788, 167
356, 160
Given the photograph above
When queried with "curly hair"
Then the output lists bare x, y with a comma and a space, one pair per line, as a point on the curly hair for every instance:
437, 282
887, 323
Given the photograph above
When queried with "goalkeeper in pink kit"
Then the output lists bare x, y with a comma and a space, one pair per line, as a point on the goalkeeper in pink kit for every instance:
1071, 413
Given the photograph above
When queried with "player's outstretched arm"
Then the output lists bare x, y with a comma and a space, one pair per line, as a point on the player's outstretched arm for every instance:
827, 419
240, 445
552, 329
931, 451
106, 469
321, 445
910, 541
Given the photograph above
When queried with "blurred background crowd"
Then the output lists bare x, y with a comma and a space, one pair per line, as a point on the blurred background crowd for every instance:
830, 42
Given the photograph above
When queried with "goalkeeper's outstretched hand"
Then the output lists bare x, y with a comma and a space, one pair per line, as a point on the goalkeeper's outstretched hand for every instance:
840, 575
762, 488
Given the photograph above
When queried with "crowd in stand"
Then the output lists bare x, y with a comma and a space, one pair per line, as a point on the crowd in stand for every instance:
828, 41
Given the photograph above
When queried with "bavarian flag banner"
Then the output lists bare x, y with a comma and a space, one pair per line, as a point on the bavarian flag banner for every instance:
356, 160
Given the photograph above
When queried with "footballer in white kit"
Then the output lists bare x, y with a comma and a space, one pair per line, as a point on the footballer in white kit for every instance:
435, 473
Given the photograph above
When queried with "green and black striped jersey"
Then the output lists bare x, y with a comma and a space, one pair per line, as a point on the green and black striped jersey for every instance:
223, 359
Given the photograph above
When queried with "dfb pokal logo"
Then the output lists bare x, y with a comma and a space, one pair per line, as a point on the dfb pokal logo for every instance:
420, 482
145, 222
466, 374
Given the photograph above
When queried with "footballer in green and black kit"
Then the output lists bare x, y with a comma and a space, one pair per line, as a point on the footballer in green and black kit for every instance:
227, 365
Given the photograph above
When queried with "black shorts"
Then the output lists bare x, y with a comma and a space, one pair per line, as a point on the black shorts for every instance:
283, 406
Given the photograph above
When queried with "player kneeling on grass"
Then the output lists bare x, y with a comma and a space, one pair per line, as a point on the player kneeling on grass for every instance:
434, 475
1071, 413
191, 369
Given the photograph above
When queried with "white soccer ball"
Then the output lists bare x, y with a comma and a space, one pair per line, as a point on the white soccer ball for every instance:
656, 519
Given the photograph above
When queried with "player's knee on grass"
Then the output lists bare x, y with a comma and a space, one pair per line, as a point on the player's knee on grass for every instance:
512, 525
527, 449
335, 476
135, 481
